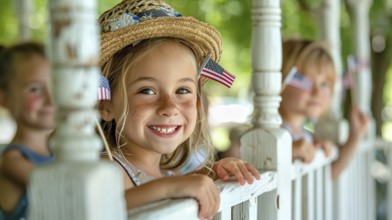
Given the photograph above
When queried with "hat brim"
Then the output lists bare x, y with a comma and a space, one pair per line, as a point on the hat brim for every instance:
203, 38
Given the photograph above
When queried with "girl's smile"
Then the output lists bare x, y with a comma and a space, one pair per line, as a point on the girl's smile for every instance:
165, 130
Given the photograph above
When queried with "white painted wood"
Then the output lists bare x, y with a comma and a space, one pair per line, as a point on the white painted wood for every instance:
319, 161
246, 210
328, 192
269, 147
24, 9
319, 194
242, 198
167, 209
330, 33
309, 197
224, 215
77, 185
267, 202
297, 202
359, 18
231, 193
264, 140
370, 201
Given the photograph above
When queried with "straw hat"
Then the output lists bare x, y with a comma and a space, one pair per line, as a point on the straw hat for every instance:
132, 21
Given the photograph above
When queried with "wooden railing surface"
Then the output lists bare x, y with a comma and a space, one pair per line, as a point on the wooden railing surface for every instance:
241, 202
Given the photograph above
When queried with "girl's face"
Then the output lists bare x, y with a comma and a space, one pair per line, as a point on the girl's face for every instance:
309, 104
29, 97
320, 96
162, 99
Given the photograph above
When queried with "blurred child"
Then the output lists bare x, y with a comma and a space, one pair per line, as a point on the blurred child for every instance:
308, 96
24, 91
151, 56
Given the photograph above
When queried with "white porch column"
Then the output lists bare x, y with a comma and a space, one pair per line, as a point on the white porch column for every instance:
359, 17
24, 10
330, 33
332, 127
268, 146
77, 185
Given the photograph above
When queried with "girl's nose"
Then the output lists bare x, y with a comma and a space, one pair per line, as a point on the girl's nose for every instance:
167, 107
316, 90
48, 98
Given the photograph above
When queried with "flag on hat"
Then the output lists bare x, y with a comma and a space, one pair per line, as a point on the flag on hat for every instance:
103, 88
214, 71
301, 82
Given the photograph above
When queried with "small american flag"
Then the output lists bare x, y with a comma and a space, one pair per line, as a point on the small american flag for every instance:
214, 71
301, 82
103, 88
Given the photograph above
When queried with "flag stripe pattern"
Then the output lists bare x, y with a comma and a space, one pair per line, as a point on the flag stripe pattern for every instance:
103, 88
301, 82
214, 71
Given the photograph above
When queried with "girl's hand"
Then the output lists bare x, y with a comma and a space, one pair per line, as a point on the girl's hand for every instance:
325, 145
231, 166
303, 150
359, 123
200, 187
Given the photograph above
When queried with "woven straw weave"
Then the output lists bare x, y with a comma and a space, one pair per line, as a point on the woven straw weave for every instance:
203, 38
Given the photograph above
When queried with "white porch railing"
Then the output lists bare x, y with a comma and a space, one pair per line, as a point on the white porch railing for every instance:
314, 194
241, 202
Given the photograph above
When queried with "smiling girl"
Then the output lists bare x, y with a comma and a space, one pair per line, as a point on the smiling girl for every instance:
152, 56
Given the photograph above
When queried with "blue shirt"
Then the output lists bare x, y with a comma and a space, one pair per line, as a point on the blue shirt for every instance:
20, 211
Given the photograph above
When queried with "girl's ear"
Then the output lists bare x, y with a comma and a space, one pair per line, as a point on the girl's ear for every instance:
104, 109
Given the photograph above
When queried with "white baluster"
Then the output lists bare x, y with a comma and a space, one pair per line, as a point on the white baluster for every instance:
268, 146
77, 185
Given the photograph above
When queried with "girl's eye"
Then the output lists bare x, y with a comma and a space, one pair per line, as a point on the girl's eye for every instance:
147, 91
183, 91
35, 89
325, 85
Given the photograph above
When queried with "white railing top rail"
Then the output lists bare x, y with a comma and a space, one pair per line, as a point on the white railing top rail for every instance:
320, 160
380, 143
231, 192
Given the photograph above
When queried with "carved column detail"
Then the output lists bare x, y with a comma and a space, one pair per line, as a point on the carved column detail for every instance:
268, 146
78, 185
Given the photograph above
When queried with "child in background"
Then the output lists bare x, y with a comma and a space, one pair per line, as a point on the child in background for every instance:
25, 92
308, 96
151, 56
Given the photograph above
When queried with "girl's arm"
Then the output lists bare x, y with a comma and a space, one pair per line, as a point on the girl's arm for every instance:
358, 128
16, 167
200, 187
225, 168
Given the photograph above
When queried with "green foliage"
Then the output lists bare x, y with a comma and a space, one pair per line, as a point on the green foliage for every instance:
231, 17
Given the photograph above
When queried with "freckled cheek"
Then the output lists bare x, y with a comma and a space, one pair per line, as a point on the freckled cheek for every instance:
190, 110
137, 111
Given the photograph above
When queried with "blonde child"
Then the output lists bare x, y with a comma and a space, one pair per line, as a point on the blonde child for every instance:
24, 91
151, 55
308, 96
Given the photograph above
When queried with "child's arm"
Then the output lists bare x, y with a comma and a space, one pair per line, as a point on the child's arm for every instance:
303, 151
230, 166
16, 167
358, 128
200, 187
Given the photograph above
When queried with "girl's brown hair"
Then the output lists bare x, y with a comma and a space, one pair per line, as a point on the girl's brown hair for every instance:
10, 57
116, 69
